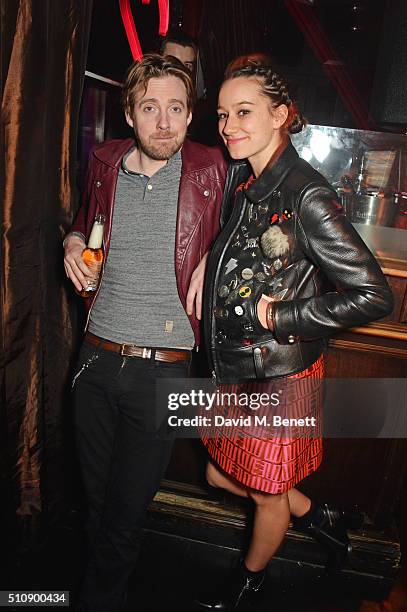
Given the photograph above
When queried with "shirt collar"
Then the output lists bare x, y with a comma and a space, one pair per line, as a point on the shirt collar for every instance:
175, 160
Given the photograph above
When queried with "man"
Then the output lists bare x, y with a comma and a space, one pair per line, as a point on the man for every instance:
184, 48
204, 126
161, 196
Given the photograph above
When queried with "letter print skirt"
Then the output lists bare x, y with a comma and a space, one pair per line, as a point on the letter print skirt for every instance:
267, 435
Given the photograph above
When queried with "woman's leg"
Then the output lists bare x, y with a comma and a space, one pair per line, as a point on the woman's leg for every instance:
271, 519
326, 525
217, 479
299, 503
272, 515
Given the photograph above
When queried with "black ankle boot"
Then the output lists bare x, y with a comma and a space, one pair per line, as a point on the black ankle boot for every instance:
240, 589
328, 526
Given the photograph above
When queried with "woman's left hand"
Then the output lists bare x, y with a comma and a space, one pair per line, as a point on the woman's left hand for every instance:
262, 309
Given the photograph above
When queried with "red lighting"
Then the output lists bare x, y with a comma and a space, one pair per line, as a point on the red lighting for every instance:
164, 11
130, 28
131, 31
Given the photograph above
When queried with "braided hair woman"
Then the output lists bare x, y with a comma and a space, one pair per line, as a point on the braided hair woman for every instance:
287, 271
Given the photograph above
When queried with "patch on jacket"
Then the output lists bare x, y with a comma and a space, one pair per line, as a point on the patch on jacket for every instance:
245, 184
274, 242
286, 216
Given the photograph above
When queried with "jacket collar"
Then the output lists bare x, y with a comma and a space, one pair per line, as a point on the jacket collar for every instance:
273, 175
112, 152
194, 156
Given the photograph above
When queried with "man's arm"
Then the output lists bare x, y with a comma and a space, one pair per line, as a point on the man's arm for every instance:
75, 241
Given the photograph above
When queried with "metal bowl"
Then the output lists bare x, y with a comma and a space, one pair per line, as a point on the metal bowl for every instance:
374, 209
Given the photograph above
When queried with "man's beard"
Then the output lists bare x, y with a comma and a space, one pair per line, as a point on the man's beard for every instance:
160, 150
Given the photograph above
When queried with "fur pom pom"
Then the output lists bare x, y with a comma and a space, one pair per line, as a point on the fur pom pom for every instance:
274, 242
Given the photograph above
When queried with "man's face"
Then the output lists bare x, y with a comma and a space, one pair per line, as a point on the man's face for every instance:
186, 55
161, 117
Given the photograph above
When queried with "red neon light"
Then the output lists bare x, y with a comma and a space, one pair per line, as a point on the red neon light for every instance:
164, 12
131, 31
130, 28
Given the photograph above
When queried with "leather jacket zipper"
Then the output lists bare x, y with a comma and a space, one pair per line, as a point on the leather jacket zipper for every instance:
233, 225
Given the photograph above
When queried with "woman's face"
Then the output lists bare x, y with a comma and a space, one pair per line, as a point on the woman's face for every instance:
248, 124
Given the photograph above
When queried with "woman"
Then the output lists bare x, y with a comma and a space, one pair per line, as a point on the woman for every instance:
287, 271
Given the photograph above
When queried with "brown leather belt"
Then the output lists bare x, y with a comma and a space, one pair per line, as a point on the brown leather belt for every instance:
131, 350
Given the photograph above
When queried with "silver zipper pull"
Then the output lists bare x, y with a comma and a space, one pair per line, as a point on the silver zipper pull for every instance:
213, 378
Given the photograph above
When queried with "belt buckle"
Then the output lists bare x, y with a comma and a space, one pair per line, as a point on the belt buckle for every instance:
127, 350
124, 350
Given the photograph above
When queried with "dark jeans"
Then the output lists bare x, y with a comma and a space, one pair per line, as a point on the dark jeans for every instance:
124, 449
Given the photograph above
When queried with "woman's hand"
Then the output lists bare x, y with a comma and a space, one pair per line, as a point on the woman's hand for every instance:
262, 304
195, 290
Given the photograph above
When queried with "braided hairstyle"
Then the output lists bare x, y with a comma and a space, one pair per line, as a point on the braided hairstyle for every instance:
274, 87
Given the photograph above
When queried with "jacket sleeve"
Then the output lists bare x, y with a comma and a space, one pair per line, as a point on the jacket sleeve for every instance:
80, 224
211, 227
330, 241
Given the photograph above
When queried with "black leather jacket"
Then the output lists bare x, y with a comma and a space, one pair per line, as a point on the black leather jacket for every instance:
285, 236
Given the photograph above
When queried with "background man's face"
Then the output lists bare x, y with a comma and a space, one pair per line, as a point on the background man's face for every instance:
186, 55
161, 117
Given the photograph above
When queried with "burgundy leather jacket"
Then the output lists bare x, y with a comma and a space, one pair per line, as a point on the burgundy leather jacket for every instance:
199, 202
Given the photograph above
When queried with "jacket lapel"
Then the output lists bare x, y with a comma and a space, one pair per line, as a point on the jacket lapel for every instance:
273, 175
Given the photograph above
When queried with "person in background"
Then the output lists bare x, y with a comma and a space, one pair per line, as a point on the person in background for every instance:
203, 127
161, 195
183, 47
287, 271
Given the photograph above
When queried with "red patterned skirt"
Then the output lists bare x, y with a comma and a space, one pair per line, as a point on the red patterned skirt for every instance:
269, 458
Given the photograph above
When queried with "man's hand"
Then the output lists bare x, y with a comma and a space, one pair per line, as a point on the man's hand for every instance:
75, 267
262, 310
196, 288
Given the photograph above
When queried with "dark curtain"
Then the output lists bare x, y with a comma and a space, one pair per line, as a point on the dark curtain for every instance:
43, 56
235, 28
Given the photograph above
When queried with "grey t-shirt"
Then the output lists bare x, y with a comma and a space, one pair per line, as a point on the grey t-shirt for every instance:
138, 301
